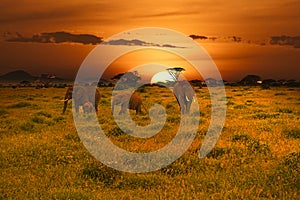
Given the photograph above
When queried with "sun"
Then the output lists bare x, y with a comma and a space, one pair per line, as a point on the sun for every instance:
162, 77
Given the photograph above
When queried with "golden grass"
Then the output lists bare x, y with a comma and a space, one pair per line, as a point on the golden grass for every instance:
257, 155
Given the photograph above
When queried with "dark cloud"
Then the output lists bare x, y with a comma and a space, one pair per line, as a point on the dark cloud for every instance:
57, 37
213, 38
286, 40
136, 42
235, 38
198, 37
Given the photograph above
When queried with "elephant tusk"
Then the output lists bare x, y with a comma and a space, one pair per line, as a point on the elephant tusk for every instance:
187, 99
65, 100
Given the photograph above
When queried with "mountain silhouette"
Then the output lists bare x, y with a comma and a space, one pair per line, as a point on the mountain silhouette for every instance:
18, 75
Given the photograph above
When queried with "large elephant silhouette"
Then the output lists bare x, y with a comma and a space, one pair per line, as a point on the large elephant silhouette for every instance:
83, 97
184, 94
133, 102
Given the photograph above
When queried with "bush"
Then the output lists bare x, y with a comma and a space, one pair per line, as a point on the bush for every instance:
20, 105
292, 133
284, 110
3, 112
217, 152
45, 114
27, 126
240, 107
116, 131
106, 175
265, 115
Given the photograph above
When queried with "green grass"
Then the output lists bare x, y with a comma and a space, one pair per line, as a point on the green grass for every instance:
256, 157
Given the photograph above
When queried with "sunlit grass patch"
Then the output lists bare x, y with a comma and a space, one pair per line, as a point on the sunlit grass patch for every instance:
143, 182
287, 174
251, 144
253, 158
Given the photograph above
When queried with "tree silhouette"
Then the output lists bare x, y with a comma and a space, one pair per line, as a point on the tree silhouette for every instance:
175, 72
127, 79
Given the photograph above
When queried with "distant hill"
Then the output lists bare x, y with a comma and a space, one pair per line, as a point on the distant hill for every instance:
16, 76
21, 77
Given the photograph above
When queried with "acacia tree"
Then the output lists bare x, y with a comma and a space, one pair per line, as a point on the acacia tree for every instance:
175, 72
128, 79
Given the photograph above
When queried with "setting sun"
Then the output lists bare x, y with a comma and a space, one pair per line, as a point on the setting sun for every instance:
162, 77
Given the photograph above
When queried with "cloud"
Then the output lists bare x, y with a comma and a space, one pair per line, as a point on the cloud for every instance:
235, 38
136, 42
196, 37
286, 40
57, 37
166, 14
219, 39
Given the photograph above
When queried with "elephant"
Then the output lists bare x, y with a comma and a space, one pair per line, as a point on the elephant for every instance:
135, 102
184, 94
84, 98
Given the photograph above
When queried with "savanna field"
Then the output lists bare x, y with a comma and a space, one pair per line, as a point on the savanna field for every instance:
256, 157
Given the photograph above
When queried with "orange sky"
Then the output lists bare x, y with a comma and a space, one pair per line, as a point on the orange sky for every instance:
254, 22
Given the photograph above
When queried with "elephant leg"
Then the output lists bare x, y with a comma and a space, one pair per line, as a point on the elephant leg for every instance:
123, 108
65, 107
182, 105
188, 106
112, 108
77, 108
138, 109
96, 106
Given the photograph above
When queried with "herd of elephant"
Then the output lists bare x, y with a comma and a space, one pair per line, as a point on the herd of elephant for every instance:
88, 99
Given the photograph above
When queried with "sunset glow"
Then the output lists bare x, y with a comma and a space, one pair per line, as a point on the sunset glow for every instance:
242, 37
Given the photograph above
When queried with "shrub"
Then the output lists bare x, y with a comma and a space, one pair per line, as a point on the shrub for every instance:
251, 144
106, 175
20, 105
240, 107
3, 112
241, 137
116, 131
38, 120
292, 133
217, 152
45, 114
284, 110
27, 126
58, 119
265, 115
280, 94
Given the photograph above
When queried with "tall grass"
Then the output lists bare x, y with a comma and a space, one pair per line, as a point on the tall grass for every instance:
256, 156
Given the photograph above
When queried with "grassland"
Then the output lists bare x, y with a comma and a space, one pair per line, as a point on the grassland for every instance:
256, 157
